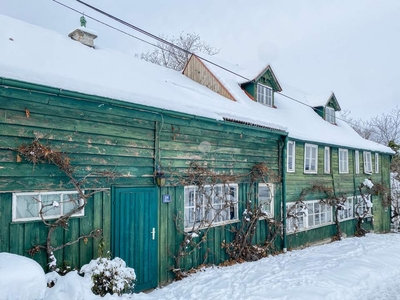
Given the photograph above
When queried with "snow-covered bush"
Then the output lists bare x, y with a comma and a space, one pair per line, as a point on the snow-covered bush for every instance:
109, 276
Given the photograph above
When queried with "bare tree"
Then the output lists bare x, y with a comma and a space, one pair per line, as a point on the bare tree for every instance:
363, 128
172, 57
382, 129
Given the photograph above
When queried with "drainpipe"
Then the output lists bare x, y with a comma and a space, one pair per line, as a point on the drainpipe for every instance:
284, 192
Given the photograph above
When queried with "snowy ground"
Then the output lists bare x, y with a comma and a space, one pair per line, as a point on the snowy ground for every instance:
355, 268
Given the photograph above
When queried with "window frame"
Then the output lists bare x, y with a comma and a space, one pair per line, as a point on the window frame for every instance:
367, 158
15, 196
357, 162
304, 223
264, 95
204, 207
363, 206
330, 117
376, 163
270, 187
343, 162
342, 215
311, 147
291, 159
327, 160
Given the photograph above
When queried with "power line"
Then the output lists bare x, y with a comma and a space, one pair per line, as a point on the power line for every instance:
163, 41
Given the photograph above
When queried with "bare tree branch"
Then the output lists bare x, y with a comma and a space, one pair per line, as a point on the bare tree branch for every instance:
173, 58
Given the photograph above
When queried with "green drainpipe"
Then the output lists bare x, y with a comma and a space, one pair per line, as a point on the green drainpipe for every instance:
284, 192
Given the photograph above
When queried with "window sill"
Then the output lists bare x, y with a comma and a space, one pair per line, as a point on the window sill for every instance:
310, 228
191, 229
21, 221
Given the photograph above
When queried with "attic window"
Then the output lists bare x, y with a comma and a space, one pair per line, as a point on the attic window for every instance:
264, 94
330, 115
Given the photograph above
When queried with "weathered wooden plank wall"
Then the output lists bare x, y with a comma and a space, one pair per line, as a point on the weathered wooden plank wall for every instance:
102, 134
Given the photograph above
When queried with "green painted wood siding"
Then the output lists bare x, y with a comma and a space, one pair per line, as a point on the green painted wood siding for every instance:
18, 237
343, 184
104, 134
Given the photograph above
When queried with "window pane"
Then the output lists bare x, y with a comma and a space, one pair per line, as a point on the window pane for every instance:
265, 199
70, 202
51, 205
27, 206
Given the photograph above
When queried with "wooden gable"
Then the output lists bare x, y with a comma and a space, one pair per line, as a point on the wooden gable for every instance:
267, 77
332, 102
197, 71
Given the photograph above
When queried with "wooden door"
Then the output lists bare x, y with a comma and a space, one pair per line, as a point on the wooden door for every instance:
134, 233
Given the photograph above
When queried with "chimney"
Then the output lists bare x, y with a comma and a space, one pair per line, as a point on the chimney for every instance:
83, 35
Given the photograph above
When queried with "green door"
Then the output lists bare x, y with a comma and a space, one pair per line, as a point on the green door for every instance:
134, 232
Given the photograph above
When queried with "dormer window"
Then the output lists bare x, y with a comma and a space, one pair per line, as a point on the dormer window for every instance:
330, 114
264, 94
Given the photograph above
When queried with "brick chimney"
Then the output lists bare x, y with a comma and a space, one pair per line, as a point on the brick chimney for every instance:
83, 35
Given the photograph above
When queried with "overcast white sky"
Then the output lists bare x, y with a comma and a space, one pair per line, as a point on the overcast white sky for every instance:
349, 47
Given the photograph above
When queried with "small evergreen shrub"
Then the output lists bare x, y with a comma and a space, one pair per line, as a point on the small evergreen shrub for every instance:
110, 276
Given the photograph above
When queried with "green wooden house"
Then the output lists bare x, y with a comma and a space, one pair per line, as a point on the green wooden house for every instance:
321, 151
110, 113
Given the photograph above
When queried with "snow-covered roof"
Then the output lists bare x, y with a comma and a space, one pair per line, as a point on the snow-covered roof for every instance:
298, 116
41, 56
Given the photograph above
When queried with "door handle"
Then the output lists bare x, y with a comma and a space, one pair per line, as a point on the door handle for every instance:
153, 233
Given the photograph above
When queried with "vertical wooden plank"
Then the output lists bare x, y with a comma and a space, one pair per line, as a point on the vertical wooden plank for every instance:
5, 220
85, 226
17, 238
97, 220
106, 220
70, 254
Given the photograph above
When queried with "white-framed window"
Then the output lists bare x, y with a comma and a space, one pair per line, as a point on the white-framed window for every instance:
346, 210
357, 161
363, 206
376, 163
343, 161
308, 215
27, 206
319, 214
367, 162
330, 115
264, 94
296, 218
327, 160
291, 155
310, 158
266, 198
211, 205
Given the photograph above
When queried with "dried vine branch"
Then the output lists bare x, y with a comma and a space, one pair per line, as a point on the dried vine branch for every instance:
35, 153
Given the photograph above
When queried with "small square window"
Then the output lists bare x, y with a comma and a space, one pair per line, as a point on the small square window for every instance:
343, 161
291, 152
310, 158
264, 94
